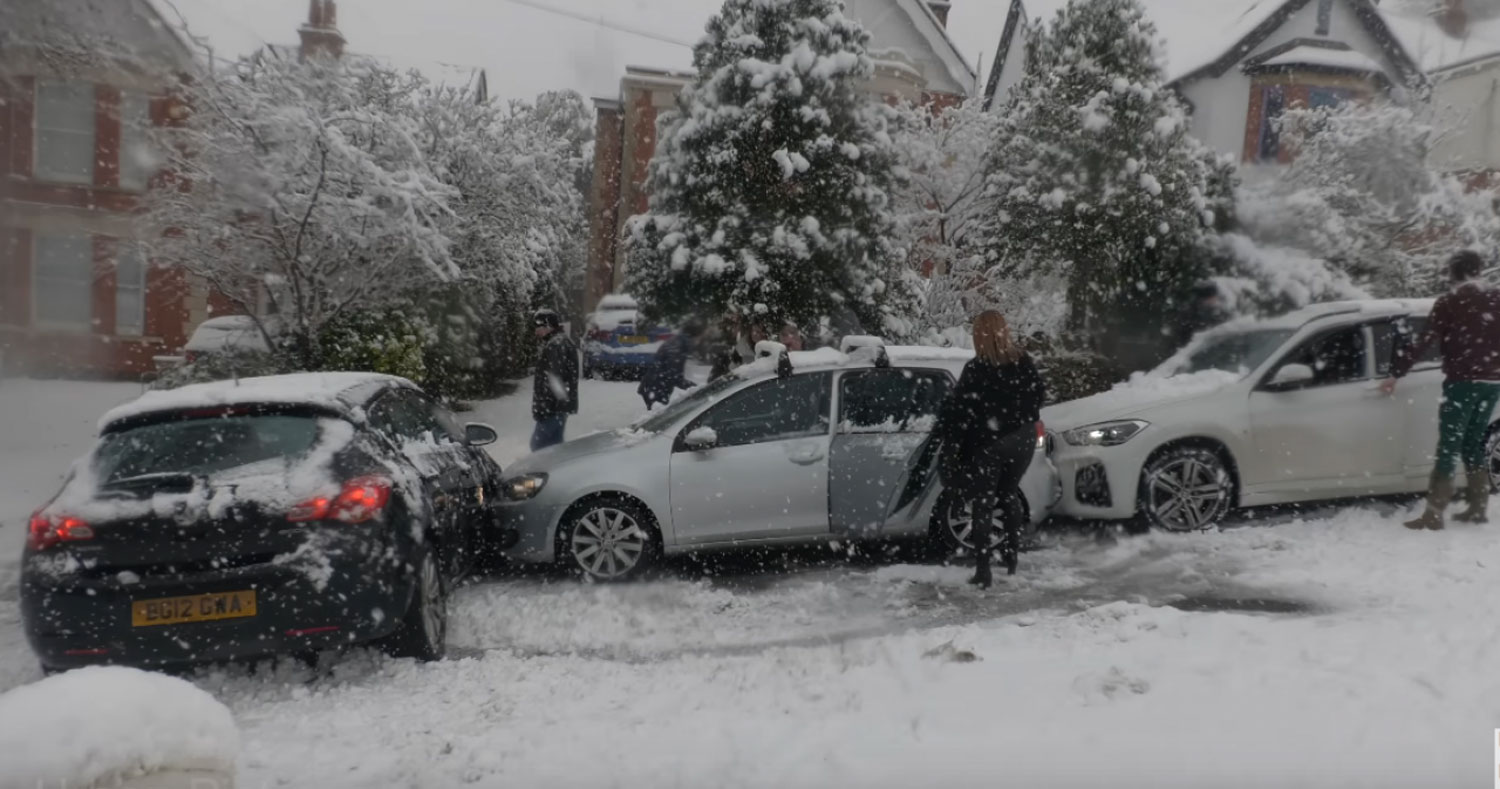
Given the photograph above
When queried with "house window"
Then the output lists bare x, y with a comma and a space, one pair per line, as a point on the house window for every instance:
63, 281
130, 290
1328, 97
137, 159
65, 132
1273, 103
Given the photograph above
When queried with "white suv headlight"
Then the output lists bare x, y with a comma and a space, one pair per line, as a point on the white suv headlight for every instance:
523, 487
1105, 434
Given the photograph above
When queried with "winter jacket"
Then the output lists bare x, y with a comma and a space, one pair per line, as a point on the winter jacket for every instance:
1465, 324
991, 402
555, 388
665, 373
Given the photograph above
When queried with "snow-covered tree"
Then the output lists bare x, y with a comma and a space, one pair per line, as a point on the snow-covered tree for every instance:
771, 186
943, 155
1362, 192
1094, 177
304, 184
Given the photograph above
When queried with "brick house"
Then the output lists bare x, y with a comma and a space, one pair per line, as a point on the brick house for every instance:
80, 83
1238, 64
915, 61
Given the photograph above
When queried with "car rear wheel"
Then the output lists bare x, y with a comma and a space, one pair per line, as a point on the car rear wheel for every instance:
953, 525
1492, 455
423, 632
608, 540
1186, 489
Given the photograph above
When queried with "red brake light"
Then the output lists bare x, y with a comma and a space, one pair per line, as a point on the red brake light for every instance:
599, 334
48, 530
1041, 431
360, 500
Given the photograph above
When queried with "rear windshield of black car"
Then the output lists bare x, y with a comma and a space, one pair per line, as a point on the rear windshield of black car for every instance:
202, 446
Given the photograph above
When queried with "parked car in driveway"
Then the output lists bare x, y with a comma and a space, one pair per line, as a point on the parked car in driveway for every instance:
270, 515
617, 344
229, 334
821, 446
1257, 413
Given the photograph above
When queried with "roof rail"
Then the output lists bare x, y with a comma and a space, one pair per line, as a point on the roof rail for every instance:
857, 342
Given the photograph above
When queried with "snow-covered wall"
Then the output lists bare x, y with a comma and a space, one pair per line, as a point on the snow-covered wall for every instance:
1221, 104
1469, 99
892, 27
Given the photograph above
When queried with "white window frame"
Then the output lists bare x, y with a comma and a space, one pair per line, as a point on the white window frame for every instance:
135, 134
84, 175
43, 322
136, 325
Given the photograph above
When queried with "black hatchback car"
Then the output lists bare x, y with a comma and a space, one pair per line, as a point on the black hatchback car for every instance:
282, 514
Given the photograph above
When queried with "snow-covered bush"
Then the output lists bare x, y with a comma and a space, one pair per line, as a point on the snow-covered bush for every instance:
109, 726
1095, 179
224, 365
303, 184
387, 342
772, 180
1262, 280
1362, 192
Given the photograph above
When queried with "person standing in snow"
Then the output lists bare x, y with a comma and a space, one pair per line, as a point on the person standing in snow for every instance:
1465, 324
666, 373
987, 435
554, 393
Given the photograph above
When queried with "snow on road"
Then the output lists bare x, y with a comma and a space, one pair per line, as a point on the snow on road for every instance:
1340, 651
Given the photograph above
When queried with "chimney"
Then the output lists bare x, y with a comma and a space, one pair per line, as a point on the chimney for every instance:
939, 9
1453, 18
320, 34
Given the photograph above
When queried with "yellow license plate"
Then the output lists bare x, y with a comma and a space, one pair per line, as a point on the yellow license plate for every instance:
193, 608
634, 339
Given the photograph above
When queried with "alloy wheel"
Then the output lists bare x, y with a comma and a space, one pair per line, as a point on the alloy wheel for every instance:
1188, 492
1492, 453
608, 543
961, 526
434, 617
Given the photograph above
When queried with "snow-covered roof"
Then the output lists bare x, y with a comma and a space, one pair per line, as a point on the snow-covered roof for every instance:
942, 45
1195, 32
337, 391
133, 29
1326, 57
1433, 48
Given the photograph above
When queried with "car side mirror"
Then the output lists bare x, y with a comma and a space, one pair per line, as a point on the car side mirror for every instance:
478, 435
1291, 375
701, 438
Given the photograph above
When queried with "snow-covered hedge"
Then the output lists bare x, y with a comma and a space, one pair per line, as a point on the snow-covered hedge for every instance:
114, 726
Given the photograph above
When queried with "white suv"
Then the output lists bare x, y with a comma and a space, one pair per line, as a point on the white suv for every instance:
1257, 413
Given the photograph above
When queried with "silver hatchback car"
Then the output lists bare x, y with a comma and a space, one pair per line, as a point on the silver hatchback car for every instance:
794, 448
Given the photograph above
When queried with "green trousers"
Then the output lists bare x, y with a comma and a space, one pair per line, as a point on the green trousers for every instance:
1463, 420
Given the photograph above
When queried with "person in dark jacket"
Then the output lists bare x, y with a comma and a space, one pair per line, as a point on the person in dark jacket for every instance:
554, 392
987, 435
1465, 325
666, 372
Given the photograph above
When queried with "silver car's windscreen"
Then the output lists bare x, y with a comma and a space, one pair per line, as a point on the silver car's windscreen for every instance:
674, 412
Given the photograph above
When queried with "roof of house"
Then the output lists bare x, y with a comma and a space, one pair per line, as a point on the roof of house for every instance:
1434, 49
937, 37
1326, 57
132, 29
1208, 37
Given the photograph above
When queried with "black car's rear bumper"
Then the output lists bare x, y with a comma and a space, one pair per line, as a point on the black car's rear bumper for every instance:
311, 603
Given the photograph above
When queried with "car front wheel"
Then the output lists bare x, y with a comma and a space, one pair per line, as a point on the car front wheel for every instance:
608, 540
1186, 489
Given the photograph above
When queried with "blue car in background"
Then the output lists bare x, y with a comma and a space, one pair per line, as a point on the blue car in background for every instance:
615, 343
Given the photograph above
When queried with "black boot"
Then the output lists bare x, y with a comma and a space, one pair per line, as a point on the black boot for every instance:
983, 578
1010, 551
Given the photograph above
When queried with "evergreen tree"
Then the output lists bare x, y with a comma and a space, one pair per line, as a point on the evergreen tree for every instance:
770, 189
1095, 177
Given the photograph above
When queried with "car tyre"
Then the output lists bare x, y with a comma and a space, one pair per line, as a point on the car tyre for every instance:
423, 632
1185, 489
608, 539
1492, 455
951, 527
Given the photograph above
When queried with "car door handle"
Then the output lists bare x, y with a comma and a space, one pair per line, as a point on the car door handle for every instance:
806, 458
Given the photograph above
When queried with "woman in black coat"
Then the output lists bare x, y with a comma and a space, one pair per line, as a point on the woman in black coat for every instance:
987, 436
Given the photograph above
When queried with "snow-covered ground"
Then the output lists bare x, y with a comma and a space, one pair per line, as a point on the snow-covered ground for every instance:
1341, 651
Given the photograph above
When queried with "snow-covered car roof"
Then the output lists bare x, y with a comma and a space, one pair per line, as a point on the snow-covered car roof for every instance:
832, 358
617, 301
229, 331
340, 392
1296, 319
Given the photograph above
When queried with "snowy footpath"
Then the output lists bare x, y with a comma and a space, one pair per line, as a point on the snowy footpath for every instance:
1336, 651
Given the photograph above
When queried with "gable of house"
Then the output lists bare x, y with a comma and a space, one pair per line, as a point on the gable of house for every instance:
1240, 63
912, 29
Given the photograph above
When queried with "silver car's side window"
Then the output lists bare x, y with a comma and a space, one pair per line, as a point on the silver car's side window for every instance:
891, 400
776, 410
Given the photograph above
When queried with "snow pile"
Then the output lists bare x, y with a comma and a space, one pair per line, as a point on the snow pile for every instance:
101, 725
